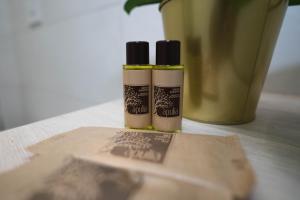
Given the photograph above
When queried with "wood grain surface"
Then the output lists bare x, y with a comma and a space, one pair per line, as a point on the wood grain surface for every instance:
271, 142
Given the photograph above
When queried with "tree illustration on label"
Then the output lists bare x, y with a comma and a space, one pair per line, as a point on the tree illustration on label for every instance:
136, 99
166, 101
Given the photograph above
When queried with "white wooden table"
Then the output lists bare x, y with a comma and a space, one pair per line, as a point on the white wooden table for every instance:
272, 141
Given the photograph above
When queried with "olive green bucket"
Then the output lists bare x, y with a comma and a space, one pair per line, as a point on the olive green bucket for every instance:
227, 46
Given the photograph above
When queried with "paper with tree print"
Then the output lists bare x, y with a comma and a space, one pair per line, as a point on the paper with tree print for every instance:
140, 145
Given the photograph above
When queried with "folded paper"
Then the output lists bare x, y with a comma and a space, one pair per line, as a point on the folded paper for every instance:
170, 165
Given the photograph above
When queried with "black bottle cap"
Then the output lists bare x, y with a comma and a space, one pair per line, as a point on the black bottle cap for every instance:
168, 52
137, 53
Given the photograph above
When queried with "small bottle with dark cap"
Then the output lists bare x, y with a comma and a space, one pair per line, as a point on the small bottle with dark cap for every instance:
137, 86
167, 90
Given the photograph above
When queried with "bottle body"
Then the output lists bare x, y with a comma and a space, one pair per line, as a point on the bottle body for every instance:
167, 91
137, 96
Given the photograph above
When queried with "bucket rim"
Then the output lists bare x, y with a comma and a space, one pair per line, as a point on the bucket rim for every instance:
163, 3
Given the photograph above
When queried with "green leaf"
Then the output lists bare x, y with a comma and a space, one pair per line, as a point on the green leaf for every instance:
131, 4
294, 2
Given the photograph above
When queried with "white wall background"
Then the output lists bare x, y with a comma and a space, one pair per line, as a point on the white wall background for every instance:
73, 59
284, 73
10, 91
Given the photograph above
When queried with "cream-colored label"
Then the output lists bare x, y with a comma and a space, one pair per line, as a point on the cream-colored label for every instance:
167, 99
137, 98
